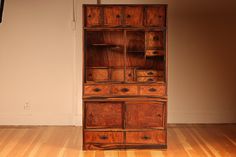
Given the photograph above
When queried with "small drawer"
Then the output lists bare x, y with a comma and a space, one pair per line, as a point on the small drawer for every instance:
146, 137
93, 16
156, 90
103, 137
155, 40
96, 90
124, 90
97, 75
146, 79
155, 53
146, 72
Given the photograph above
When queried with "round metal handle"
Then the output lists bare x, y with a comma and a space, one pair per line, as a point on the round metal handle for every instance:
152, 90
103, 137
125, 89
96, 89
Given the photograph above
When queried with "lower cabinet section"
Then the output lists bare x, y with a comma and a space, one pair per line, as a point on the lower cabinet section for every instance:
127, 124
124, 139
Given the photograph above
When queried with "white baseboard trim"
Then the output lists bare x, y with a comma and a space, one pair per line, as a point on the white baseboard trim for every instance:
40, 119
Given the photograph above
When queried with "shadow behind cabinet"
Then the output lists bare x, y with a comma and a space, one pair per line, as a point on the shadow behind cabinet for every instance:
125, 77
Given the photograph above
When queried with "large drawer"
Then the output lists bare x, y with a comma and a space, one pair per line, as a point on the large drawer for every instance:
103, 137
146, 137
153, 90
96, 90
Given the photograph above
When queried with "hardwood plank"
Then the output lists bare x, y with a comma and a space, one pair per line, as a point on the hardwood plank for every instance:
66, 141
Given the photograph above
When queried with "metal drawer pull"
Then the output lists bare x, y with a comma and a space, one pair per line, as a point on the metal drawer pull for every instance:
154, 52
152, 90
96, 89
145, 137
150, 73
125, 89
150, 80
155, 38
103, 137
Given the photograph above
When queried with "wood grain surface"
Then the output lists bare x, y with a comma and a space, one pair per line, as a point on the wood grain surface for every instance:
183, 141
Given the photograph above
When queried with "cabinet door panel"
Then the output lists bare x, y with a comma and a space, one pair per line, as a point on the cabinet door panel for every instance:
103, 115
93, 16
156, 16
145, 115
134, 16
112, 16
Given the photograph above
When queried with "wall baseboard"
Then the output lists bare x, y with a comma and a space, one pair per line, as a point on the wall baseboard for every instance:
40, 119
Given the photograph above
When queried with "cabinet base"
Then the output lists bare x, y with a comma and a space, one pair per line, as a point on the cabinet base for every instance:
121, 146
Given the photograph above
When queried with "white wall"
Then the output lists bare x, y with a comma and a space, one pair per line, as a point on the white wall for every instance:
41, 61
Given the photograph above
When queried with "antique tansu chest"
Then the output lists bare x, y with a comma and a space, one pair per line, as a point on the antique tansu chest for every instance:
124, 76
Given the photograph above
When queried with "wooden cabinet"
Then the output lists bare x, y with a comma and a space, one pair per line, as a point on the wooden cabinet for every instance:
124, 77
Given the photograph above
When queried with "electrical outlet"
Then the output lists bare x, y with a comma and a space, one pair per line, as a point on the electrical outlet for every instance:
27, 106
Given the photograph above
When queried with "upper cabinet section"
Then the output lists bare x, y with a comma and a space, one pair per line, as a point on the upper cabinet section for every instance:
125, 16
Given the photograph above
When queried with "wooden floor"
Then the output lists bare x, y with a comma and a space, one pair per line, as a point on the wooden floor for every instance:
183, 140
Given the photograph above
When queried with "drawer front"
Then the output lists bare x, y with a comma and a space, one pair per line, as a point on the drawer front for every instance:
103, 137
145, 115
118, 75
93, 16
154, 53
97, 75
155, 90
103, 115
112, 16
156, 16
146, 79
146, 137
146, 72
154, 39
96, 90
134, 16
124, 90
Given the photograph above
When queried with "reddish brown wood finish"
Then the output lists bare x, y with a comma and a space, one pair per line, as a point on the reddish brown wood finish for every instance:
154, 39
156, 90
134, 16
97, 74
146, 137
95, 90
112, 16
142, 115
93, 16
124, 90
103, 137
156, 16
125, 82
103, 115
